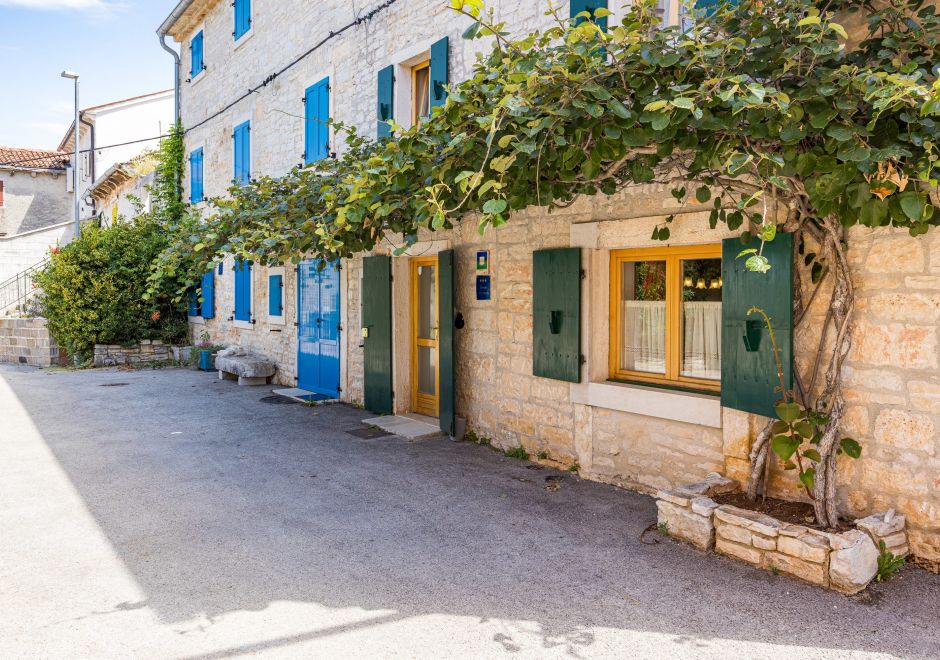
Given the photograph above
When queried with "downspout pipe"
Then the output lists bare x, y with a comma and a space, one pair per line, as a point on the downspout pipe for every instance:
176, 77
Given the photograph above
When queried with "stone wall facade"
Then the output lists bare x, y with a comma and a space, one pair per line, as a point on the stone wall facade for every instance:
633, 436
27, 341
147, 351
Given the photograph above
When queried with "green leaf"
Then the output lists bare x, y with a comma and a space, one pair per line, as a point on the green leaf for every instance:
703, 194
805, 429
808, 477
683, 102
620, 109
747, 251
757, 264
494, 206
655, 106
784, 446
788, 412
850, 447
768, 233
812, 455
911, 204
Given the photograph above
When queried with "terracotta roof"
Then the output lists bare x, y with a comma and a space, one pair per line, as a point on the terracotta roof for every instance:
38, 159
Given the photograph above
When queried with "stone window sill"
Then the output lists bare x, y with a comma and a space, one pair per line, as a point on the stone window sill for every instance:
197, 320
687, 407
244, 325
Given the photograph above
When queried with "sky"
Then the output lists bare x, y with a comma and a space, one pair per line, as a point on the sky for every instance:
117, 56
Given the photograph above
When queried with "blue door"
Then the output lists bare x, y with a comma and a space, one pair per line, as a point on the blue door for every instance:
318, 328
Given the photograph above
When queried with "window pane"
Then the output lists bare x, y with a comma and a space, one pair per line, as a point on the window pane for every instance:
427, 370
701, 318
643, 316
422, 80
427, 302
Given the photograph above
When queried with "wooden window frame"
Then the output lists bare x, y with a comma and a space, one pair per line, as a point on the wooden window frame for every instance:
421, 66
673, 256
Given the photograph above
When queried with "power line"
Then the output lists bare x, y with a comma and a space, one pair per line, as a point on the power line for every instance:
83, 151
271, 78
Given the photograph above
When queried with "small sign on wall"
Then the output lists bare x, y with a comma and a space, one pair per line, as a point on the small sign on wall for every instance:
483, 262
483, 287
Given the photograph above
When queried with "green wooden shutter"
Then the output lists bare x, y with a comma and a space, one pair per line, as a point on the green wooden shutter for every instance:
386, 102
439, 72
556, 314
377, 322
578, 6
749, 380
447, 369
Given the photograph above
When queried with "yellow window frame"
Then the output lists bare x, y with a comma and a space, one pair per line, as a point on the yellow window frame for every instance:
416, 115
673, 256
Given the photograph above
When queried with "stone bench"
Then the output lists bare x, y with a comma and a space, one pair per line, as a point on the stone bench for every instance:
244, 366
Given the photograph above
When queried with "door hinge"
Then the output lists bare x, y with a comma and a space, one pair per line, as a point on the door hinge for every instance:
339, 327
582, 359
338, 388
583, 274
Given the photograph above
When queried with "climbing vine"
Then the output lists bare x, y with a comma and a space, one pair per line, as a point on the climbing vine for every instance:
767, 114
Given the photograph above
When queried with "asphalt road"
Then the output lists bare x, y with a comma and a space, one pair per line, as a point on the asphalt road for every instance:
162, 513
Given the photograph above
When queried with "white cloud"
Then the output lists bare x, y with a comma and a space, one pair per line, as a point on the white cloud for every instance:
88, 5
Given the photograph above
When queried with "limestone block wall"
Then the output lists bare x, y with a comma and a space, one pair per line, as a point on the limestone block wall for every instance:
27, 341
147, 351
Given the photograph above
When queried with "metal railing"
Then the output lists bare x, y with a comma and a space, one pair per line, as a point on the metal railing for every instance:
16, 292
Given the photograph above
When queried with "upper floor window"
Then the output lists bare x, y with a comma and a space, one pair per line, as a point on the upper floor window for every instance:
665, 317
420, 92
241, 147
197, 60
242, 18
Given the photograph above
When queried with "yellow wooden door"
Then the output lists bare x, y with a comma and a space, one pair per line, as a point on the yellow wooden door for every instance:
425, 385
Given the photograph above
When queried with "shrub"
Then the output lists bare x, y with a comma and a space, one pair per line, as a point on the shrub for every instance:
94, 289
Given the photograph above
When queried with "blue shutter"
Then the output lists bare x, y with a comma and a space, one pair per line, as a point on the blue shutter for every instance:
196, 179
196, 55
242, 151
439, 72
578, 6
242, 18
275, 295
242, 291
317, 114
386, 101
208, 295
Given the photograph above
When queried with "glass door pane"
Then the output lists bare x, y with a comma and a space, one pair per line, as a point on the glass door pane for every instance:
643, 314
701, 318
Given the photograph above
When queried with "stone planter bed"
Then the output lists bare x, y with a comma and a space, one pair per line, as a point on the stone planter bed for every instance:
846, 561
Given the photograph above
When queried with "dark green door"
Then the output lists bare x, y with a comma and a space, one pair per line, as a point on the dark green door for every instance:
377, 332
446, 291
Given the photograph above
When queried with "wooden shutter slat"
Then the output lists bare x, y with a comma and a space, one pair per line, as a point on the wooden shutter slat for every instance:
556, 314
749, 380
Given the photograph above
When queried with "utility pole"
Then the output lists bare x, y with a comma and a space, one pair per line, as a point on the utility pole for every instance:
75, 165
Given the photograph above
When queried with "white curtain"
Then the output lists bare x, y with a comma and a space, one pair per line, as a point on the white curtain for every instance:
643, 336
701, 352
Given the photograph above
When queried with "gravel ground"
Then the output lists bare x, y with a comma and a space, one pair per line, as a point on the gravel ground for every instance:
162, 513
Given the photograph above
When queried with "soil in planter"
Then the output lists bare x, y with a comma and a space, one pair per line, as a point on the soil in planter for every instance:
797, 513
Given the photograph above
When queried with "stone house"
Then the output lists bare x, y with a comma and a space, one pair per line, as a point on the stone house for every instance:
570, 333
112, 137
35, 207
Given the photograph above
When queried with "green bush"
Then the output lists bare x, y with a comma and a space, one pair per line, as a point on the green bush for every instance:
94, 289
